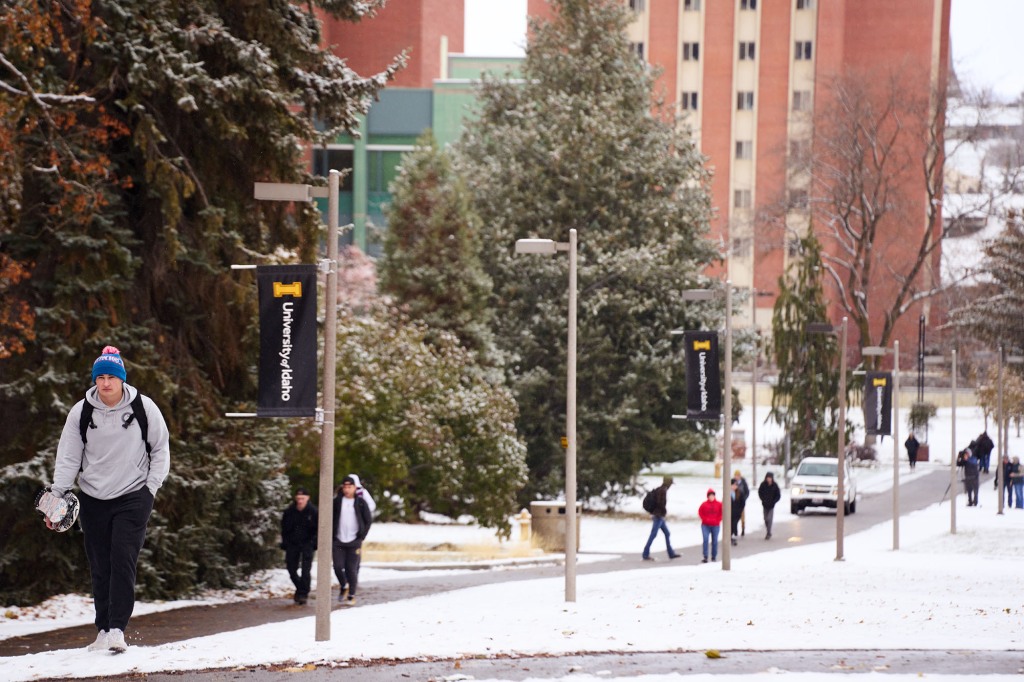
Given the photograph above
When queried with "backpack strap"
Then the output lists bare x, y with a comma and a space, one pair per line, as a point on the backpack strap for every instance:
85, 422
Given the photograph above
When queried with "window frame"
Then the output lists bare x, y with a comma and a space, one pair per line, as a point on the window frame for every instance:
691, 51
744, 149
689, 100
745, 100
803, 50
747, 50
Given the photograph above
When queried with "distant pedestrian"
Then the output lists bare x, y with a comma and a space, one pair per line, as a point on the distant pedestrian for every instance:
745, 489
770, 495
983, 450
912, 446
115, 443
970, 464
710, 513
352, 521
658, 514
298, 540
1007, 468
1017, 477
739, 500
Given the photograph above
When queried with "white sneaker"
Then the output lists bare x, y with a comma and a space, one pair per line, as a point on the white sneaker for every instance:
101, 641
115, 641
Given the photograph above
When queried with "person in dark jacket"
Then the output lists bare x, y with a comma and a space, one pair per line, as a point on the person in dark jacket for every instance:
658, 514
739, 501
298, 540
352, 519
912, 445
984, 451
770, 495
970, 464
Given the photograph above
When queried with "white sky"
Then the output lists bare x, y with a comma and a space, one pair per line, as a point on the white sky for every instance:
987, 40
925, 596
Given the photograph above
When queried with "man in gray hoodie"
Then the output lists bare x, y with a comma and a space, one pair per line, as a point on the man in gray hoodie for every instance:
118, 479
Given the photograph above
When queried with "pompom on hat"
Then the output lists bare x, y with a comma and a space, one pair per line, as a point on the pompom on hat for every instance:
109, 362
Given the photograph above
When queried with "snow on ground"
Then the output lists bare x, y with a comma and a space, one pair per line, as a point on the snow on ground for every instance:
926, 596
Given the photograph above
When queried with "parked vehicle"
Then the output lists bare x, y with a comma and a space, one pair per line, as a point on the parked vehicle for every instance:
816, 484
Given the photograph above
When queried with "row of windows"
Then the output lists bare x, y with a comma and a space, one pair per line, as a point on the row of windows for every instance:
694, 5
802, 100
802, 50
798, 149
743, 198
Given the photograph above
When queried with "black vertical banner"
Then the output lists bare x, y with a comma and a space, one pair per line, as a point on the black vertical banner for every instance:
878, 403
703, 385
288, 369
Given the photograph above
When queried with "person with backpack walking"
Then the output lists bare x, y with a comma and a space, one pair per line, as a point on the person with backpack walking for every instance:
710, 513
298, 540
352, 519
770, 495
115, 442
744, 490
654, 503
912, 445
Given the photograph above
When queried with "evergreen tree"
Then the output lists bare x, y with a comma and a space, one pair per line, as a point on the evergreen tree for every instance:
575, 144
805, 398
131, 196
431, 263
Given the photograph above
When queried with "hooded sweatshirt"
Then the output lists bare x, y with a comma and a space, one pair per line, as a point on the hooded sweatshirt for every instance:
114, 461
363, 493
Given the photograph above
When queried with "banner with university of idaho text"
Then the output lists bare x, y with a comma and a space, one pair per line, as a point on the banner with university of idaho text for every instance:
878, 403
288, 368
703, 384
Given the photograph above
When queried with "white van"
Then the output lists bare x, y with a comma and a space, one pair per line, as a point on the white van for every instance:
816, 484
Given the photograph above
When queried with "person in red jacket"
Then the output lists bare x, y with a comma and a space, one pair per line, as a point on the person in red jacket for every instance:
710, 513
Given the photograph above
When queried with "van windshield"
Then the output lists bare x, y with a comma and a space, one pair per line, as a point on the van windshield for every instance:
817, 469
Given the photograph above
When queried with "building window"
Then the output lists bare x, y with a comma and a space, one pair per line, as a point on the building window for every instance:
638, 49
637, 5
748, 4
689, 101
691, 52
805, 4
745, 100
744, 149
338, 159
741, 198
802, 100
691, 5
798, 199
803, 50
746, 50
742, 246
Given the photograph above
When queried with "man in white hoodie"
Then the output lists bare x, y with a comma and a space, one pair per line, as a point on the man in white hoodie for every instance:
119, 468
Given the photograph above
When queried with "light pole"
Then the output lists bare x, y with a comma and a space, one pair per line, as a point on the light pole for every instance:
880, 350
550, 247
707, 295
825, 328
754, 293
270, 191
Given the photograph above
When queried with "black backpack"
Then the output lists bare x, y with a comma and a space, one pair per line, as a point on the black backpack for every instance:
138, 414
648, 503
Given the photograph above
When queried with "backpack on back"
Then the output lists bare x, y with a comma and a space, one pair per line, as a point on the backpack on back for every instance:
648, 503
138, 414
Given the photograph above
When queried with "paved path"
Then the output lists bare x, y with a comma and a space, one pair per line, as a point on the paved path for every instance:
186, 623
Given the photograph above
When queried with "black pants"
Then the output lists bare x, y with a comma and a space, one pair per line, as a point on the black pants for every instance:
114, 533
345, 556
971, 488
294, 557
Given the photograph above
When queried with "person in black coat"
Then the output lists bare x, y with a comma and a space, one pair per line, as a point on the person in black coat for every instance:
770, 495
912, 447
352, 519
984, 451
298, 540
739, 501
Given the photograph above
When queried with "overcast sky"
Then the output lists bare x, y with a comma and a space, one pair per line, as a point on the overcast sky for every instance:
987, 38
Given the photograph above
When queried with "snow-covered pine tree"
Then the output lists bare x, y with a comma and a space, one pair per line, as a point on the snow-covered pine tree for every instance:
133, 196
580, 141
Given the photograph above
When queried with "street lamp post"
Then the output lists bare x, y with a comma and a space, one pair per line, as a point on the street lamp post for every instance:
879, 350
826, 328
269, 191
550, 247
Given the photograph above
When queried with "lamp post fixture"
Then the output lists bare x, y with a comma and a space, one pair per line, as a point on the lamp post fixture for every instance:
880, 350
550, 247
825, 328
754, 293
273, 191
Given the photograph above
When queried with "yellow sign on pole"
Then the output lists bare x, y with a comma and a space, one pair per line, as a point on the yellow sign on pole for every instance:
565, 442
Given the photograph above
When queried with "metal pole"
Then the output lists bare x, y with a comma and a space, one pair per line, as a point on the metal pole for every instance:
325, 521
952, 463
999, 435
896, 445
841, 488
753, 386
570, 429
727, 431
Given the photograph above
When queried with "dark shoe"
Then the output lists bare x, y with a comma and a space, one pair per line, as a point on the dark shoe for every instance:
768, 536
734, 543
648, 558
704, 560
674, 556
350, 600
714, 558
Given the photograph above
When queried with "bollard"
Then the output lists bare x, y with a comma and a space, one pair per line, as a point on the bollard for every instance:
524, 520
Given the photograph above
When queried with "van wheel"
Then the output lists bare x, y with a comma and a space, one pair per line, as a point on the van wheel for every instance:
793, 508
846, 507
853, 507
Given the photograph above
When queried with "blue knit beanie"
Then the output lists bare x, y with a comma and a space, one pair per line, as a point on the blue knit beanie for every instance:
109, 362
